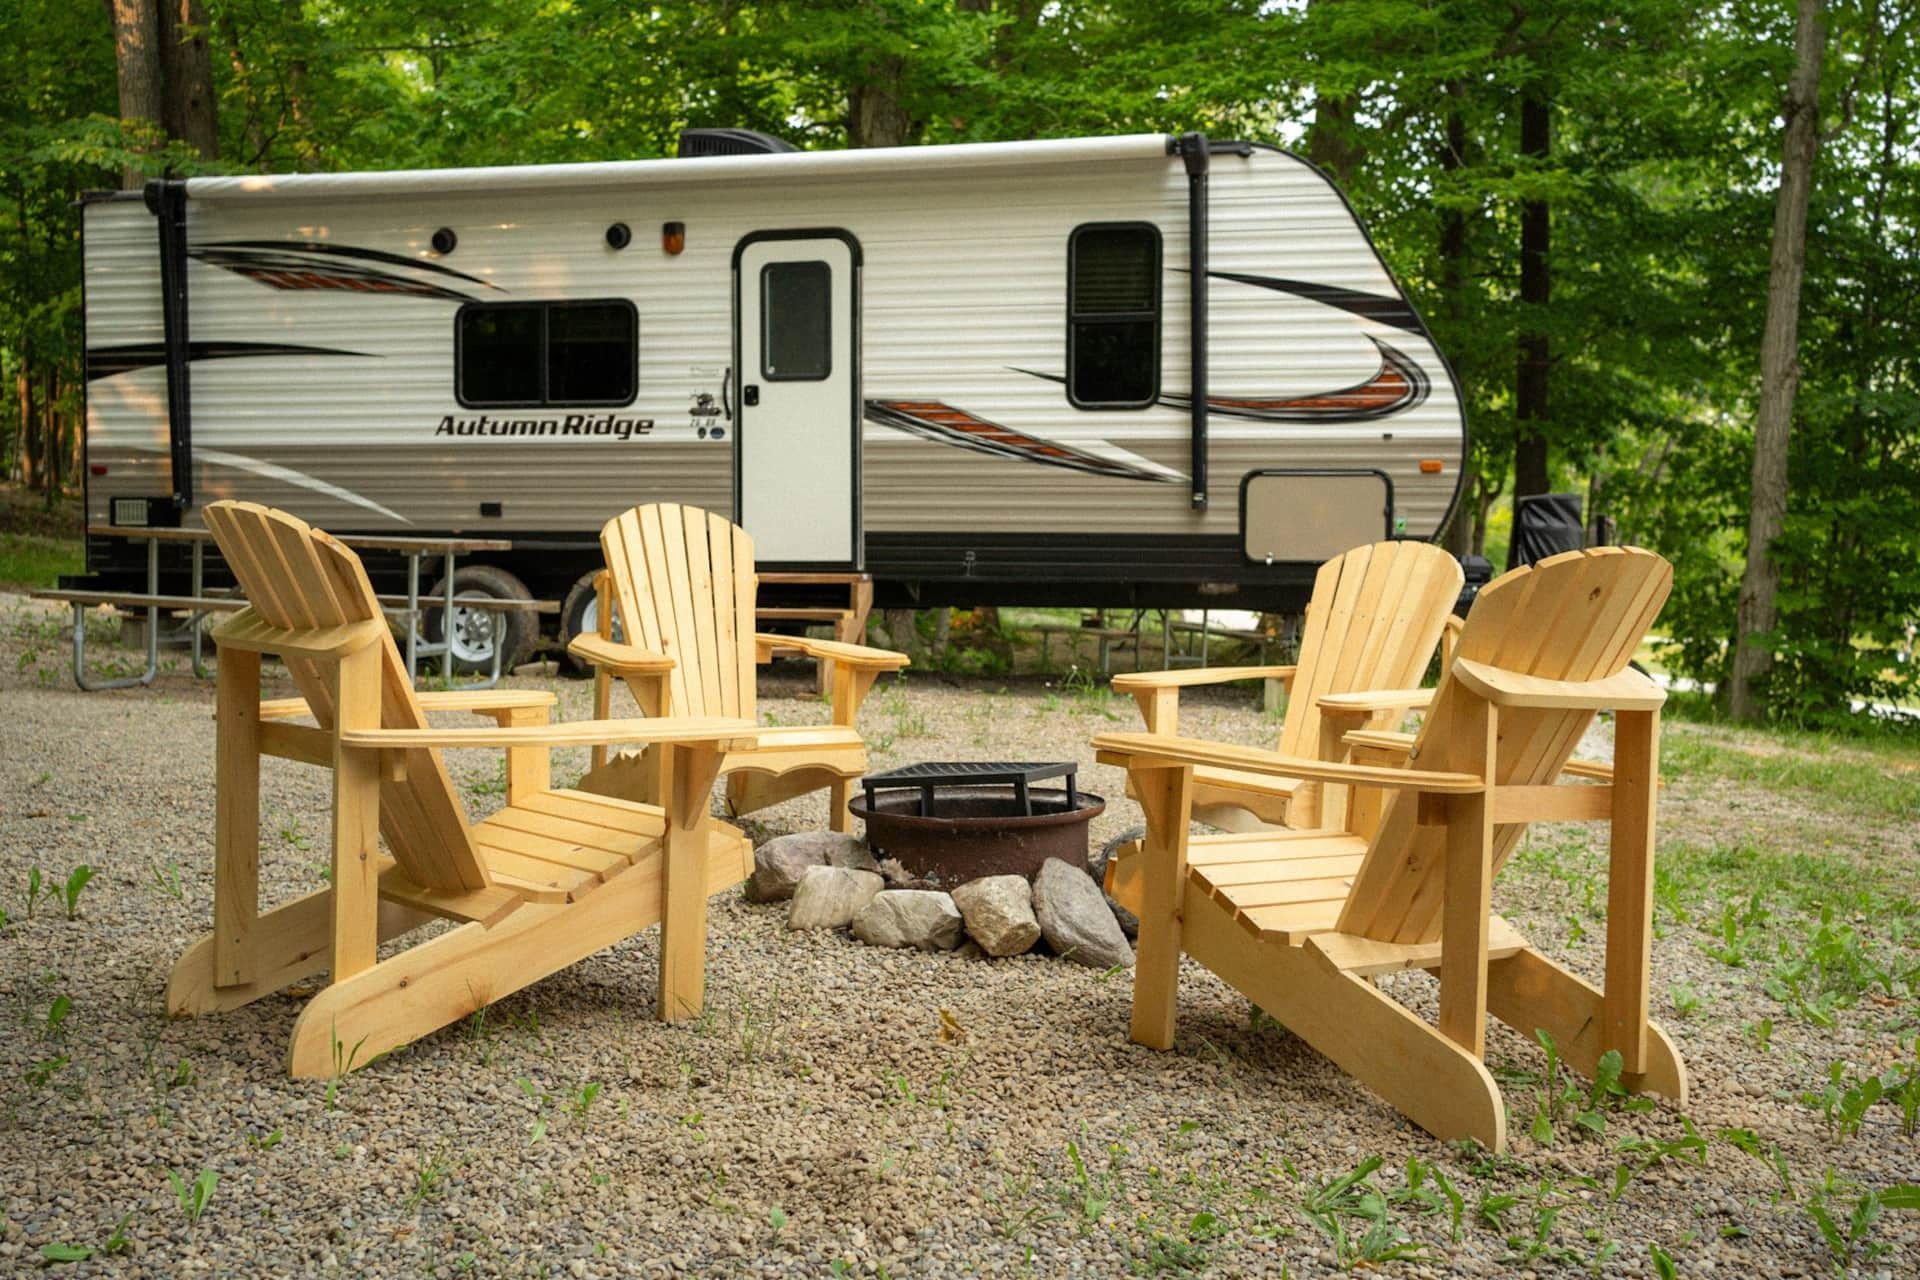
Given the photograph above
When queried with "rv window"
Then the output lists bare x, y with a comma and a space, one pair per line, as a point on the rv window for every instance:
1113, 316
530, 354
796, 321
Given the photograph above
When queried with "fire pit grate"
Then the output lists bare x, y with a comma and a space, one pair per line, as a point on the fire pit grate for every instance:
929, 776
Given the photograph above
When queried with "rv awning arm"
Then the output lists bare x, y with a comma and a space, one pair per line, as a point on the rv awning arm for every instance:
1193, 150
166, 199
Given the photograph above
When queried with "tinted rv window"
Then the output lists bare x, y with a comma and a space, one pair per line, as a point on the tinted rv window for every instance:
796, 321
529, 354
1113, 316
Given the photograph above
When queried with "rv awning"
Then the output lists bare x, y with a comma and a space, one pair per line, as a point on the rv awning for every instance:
786, 167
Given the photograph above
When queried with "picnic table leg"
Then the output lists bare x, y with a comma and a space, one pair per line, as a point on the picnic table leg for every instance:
153, 635
413, 615
446, 623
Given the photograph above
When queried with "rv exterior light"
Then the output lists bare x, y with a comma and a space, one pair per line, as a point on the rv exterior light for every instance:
619, 236
673, 238
444, 240
98, 469
1430, 466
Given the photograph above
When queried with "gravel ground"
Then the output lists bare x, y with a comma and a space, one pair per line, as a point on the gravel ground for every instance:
817, 1121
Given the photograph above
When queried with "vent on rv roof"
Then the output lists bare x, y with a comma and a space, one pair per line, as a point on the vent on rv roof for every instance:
729, 142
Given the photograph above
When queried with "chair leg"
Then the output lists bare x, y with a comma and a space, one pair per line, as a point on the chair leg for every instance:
1529, 992
838, 792
1166, 796
687, 774
291, 945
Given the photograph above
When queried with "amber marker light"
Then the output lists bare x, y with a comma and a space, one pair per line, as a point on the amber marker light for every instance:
673, 238
1430, 466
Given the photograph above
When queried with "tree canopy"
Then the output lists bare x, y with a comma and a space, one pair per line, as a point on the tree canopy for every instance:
1579, 197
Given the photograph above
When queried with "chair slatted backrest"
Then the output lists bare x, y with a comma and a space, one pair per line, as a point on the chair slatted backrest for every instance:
684, 585
298, 578
1576, 616
1373, 623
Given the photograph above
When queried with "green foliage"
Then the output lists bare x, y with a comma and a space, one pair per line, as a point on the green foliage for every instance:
193, 1196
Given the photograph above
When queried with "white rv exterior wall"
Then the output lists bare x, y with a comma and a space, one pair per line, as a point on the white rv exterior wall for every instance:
965, 259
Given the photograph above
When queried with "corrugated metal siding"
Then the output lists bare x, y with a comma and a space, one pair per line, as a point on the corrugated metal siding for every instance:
964, 288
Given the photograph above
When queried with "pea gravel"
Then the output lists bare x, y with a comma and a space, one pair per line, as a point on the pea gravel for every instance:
840, 1109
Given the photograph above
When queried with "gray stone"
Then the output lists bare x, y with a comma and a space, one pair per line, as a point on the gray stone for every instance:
1097, 868
999, 913
830, 897
922, 918
898, 877
852, 854
1075, 919
779, 864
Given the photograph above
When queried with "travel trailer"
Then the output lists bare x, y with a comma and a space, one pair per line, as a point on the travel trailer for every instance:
1146, 370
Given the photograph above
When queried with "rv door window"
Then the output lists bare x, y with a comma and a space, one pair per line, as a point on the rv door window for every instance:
796, 321
1113, 315
534, 354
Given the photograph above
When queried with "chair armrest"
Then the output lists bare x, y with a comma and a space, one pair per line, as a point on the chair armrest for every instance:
724, 733
1627, 690
479, 701
854, 655
1132, 749
1144, 680
1374, 701
1401, 744
620, 659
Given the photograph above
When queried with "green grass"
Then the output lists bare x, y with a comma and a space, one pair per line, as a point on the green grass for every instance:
1880, 778
30, 560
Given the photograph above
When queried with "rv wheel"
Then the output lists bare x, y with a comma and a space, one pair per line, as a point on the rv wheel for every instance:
476, 631
580, 616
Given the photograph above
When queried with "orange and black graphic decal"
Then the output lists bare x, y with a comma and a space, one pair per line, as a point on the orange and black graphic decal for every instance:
1398, 385
935, 420
105, 362
304, 264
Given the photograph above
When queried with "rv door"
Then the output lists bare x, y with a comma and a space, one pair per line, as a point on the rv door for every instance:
797, 436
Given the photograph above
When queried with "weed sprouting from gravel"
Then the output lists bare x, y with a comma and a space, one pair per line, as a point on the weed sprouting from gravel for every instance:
193, 1196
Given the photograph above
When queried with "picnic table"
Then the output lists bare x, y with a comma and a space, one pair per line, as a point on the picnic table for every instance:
198, 603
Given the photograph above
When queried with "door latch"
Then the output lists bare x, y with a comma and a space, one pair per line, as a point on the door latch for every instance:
750, 393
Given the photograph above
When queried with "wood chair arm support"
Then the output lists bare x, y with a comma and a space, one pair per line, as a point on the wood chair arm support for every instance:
1148, 750
482, 702
617, 658
249, 632
1134, 681
1627, 690
854, 655
1373, 701
1389, 741
719, 732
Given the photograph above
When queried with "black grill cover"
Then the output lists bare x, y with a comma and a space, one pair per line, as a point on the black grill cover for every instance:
729, 142
1545, 524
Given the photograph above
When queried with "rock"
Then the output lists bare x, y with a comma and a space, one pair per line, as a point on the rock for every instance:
779, 864
1097, 868
923, 918
830, 897
851, 854
1075, 919
898, 877
999, 913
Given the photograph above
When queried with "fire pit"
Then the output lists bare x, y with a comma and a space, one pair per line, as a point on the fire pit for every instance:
950, 821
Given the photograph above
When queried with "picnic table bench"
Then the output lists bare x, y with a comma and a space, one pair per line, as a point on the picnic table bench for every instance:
198, 601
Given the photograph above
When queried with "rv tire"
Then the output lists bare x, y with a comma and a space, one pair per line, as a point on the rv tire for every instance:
578, 616
476, 630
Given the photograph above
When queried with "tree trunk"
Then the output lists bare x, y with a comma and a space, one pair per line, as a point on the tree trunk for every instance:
23, 389
1333, 143
187, 63
1779, 366
1458, 535
875, 117
1536, 291
136, 48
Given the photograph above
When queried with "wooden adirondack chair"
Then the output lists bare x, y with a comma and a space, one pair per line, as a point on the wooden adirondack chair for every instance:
1375, 616
552, 878
682, 584
1298, 921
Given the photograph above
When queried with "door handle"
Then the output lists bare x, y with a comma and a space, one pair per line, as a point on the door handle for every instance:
750, 393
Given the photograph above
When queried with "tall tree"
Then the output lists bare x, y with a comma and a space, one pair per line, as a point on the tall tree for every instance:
1779, 366
1536, 295
136, 47
187, 65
